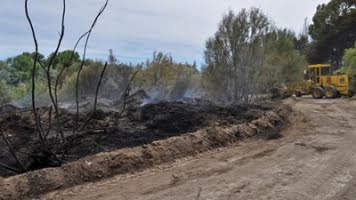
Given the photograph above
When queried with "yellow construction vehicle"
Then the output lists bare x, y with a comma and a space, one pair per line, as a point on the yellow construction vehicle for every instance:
321, 81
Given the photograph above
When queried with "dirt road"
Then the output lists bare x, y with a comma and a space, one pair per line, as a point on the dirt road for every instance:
314, 160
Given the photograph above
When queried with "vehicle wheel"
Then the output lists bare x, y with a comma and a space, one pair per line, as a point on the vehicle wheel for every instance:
350, 94
298, 93
318, 93
331, 92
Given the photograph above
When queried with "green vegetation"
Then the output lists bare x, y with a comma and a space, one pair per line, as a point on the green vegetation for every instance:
64, 58
333, 30
350, 60
246, 56
349, 66
166, 79
160, 76
284, 63
4, 93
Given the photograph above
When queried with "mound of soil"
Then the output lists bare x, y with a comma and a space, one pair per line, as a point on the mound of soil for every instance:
107, 164
108, 131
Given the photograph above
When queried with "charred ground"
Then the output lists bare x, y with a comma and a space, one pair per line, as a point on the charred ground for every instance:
110, 130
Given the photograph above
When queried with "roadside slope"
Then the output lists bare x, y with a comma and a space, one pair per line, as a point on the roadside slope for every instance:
314, 160
264, 124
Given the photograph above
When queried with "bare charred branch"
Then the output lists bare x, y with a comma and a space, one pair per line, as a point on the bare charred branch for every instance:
13, 153
98, 86
66, 66
49, 122
42, 137
45, 148
10, 168
57, 83
42, 66
127, 92
84, 56
95, 100
53, 57
38, 123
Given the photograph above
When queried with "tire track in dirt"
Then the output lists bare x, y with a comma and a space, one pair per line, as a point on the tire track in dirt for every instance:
308, 188
244, 163
348, 192
176, 180
284, 148
304, 165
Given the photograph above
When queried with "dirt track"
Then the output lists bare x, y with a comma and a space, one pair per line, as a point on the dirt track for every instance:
314, 160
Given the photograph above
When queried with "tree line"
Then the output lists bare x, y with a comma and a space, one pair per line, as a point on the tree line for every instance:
246, 56
333, 30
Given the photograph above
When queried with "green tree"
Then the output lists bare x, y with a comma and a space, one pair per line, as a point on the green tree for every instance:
64, 58
350, 59
284, 61
19, 68
350, 63
333, 30
3, 70
4, 93
235, 55
302, 43
163, 78
40, 56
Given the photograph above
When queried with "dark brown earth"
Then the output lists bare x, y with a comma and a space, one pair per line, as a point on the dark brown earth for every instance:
148, 136
109, 131
314, 160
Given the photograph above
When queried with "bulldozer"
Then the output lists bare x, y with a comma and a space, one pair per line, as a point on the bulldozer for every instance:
321, 81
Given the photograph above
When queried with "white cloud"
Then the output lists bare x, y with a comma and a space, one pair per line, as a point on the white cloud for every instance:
136, 28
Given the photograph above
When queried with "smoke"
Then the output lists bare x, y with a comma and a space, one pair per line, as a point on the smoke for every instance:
156, 96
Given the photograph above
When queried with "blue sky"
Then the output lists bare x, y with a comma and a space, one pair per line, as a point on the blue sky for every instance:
136, 28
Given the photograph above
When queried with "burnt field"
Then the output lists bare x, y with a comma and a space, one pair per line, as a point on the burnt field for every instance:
107, 130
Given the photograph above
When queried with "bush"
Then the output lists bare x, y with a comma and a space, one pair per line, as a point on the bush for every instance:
114, 82
165, 79
350, 65
22, 93
4, 93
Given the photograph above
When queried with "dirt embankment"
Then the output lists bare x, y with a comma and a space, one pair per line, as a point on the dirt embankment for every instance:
109, 130
314, 160
154, 134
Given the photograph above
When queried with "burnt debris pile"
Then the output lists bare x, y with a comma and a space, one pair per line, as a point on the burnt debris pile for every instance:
107, 130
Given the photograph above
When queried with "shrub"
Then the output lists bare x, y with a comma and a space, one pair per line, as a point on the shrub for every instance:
4, 93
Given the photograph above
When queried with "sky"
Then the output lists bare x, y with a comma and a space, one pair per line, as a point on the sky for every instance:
134, 29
